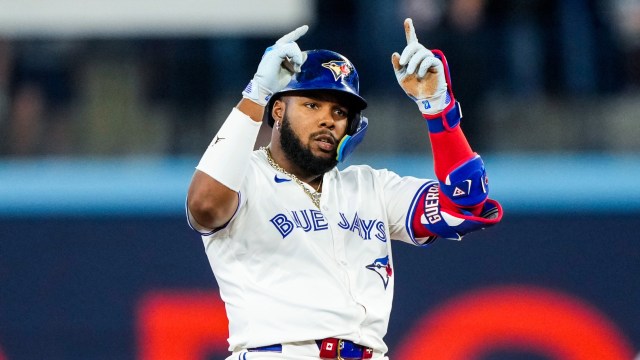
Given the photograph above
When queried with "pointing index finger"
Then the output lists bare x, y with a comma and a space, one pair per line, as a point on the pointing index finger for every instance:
409, 31
294, 35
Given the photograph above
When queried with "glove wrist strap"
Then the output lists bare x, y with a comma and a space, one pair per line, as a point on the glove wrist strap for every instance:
446, 120
257, 93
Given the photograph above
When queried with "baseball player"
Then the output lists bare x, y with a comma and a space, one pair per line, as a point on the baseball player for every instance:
301, 251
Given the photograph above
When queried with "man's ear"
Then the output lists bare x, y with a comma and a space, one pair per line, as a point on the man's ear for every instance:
277, 112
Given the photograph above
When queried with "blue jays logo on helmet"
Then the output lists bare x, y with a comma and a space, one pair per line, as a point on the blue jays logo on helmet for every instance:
382, 267
325, 70
340, 69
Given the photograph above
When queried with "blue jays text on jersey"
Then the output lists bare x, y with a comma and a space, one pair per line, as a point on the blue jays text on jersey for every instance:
314, 220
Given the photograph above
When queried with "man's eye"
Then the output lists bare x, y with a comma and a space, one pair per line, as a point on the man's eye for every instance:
311, 105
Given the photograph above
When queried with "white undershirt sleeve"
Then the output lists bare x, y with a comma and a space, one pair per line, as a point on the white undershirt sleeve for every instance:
227, 157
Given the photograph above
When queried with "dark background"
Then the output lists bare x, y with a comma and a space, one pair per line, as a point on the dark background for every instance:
70, 285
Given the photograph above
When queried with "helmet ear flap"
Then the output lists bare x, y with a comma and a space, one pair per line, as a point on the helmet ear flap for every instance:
354, 123
349, 142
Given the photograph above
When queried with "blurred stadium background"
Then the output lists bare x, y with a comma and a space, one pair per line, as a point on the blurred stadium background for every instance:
106, 107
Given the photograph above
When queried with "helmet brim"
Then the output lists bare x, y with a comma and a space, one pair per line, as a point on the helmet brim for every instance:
353, 102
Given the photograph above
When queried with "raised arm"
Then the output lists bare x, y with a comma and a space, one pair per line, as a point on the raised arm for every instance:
213, 193
459, 203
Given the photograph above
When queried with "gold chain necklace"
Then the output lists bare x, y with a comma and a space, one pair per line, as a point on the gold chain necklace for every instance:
314, 196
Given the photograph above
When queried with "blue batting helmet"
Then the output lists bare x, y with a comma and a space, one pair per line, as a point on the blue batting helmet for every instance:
327, 70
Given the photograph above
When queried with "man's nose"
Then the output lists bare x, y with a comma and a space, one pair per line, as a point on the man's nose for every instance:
326, 119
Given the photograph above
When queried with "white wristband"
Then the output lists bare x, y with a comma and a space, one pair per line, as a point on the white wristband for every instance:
227, 157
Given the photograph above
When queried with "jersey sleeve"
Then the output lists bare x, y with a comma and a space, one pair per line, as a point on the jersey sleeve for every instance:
205, 231
401, 195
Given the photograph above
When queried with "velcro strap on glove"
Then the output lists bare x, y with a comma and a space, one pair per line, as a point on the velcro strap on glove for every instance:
448, 119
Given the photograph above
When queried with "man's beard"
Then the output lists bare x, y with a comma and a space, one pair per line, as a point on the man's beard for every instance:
301, 156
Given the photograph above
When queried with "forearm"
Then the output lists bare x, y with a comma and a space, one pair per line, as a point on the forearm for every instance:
451, 150
251, 109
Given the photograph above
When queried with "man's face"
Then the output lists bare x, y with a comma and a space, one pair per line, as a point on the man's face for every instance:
312, 126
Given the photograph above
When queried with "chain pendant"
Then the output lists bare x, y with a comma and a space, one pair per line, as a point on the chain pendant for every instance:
315, 196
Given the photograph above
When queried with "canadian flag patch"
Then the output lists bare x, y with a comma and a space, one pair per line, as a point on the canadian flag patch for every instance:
329, 348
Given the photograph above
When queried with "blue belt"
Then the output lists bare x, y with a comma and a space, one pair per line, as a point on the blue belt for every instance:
271, 348
330, 349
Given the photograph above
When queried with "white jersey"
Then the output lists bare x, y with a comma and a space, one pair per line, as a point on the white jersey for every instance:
289, 272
